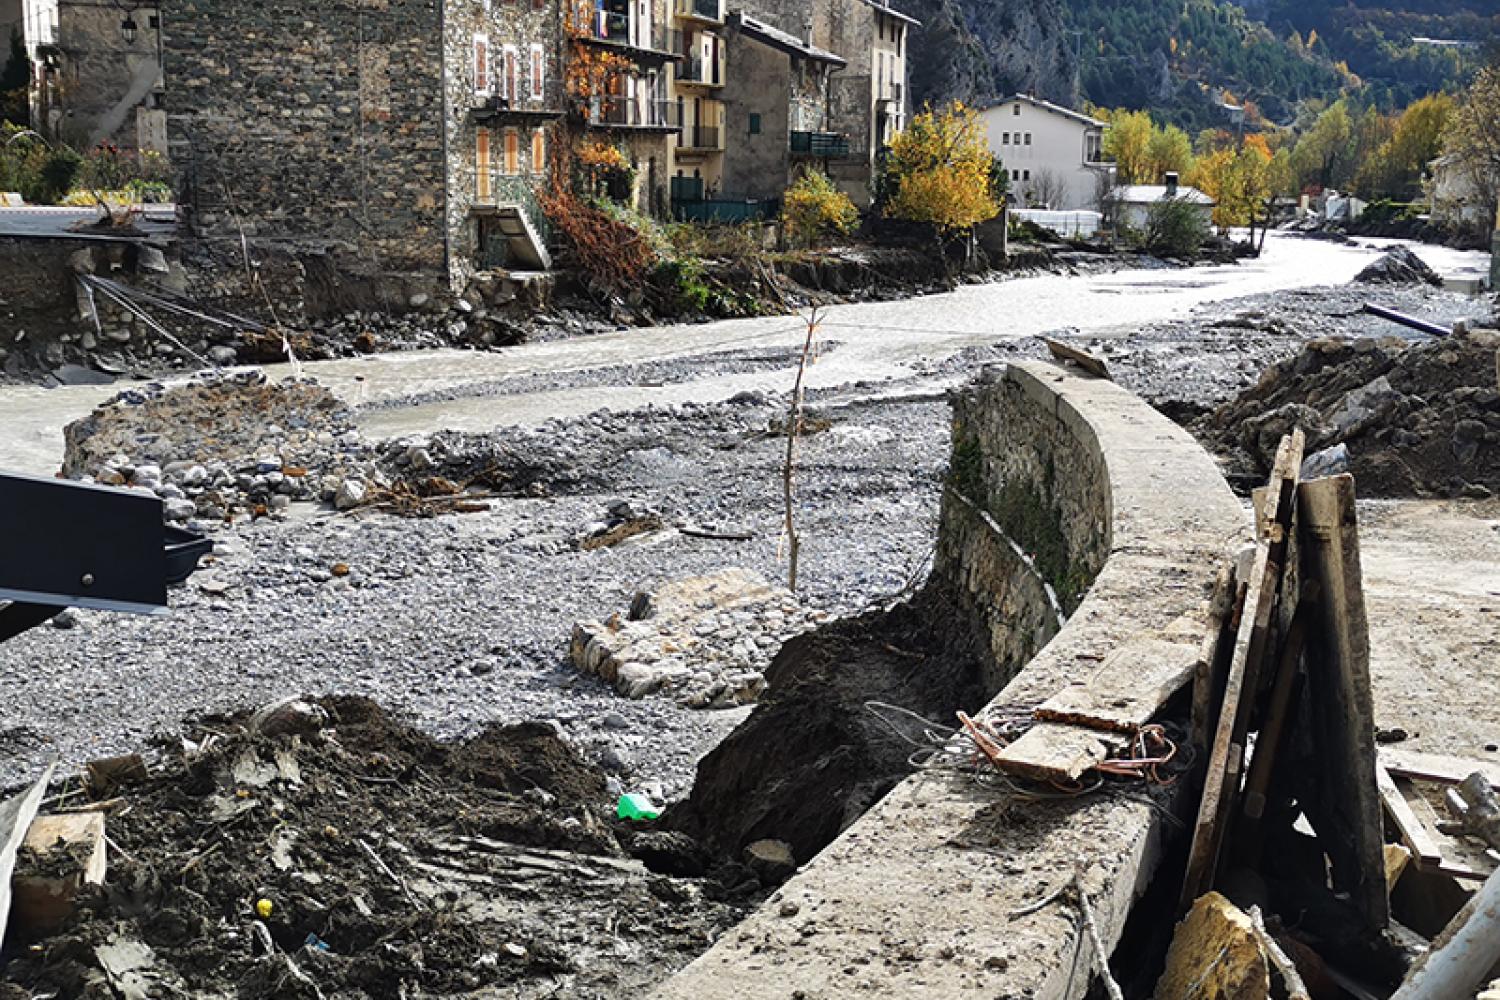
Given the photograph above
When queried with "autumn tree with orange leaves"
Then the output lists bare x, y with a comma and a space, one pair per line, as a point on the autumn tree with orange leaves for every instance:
941, 171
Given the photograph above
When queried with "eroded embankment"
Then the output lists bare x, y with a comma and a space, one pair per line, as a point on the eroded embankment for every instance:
1065, 493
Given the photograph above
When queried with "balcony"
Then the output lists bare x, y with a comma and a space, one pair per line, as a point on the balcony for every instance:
701, 139
623, 112
824, 145
615, 29
701, 72
707, 11
893, 94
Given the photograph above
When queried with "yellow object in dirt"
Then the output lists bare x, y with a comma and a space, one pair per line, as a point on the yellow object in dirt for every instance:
263, 908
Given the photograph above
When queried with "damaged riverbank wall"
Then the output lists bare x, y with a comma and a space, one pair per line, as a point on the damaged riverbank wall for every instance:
1125, 520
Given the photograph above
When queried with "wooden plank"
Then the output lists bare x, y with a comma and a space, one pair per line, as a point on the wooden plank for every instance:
1346, 810
42, 903
1226, 759
1083, 359
1437, 767
1424, 848
1225, 606
1083, 724
16, 814
1052, 751
1131, 685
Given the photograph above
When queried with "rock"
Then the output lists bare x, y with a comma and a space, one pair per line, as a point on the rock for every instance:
614, 720
1364, 404
771, 861
223, 356
351, 493
288, 717
64, 620
1399, 266
419, 300
178, 510
636, 680
1215, 955
616, 761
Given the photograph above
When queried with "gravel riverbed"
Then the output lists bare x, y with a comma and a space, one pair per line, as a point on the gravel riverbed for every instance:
462, 620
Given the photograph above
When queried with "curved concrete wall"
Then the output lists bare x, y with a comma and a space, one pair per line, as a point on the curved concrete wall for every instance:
1121, 515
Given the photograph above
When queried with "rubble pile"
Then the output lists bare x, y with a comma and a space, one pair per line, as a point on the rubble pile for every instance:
219, 443
1414, 418
705, 641
1399, 267
325, 849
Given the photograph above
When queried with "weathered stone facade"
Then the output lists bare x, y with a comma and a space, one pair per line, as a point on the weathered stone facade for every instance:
93, 81
358, 130
782, 86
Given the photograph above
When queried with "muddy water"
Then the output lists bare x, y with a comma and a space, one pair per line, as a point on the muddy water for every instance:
880, 341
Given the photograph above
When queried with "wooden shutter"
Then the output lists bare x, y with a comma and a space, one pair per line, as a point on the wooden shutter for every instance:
481, 64
512, 152
482, 164
538, 151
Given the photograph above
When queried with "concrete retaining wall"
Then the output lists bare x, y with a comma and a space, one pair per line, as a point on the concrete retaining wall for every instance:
1127, 519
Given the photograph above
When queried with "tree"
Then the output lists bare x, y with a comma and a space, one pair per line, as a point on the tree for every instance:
1395, 169
1324, 148
1046, 189
1472, 139
940, 171
814, 207
1142, 150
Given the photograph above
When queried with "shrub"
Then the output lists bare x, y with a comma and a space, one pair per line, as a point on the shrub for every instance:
55, 178
1175, 227
814, 208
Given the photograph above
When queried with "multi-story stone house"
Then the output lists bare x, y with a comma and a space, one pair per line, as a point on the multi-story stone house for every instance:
409, 137
96, 72
636, 112
700, 77
778, 109
867, 100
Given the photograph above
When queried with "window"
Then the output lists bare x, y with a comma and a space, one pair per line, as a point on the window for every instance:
1028, 138
538, 72
1015, 109
512, 152
1015, 175
754, 123
538, 151
1026, 175
155, 22
481, 64
482, 164
1005, 139
512, 82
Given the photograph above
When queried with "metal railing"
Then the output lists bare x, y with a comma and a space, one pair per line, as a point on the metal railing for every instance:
629, 111
833, 145
696, 69
608, 26
704, 10
709, 137
893, 92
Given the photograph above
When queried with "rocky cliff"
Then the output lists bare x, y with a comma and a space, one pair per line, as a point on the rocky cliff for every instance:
976, 50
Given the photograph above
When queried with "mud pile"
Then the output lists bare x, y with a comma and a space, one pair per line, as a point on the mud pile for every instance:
812, 757
1416, 418
349, 855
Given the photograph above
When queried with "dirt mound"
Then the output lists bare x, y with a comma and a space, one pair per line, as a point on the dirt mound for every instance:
1399, 267
1416, 419
393, 865
812, 758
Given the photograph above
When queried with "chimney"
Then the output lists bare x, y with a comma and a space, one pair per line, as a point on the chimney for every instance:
1171, 183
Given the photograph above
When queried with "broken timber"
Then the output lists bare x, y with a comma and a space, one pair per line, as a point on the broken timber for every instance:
1082, 725
16, 815
1226, 761
1080, 358
1346, 812
1436, 767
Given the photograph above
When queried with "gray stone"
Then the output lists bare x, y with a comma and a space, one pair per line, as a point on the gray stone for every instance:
771, 861
351, 493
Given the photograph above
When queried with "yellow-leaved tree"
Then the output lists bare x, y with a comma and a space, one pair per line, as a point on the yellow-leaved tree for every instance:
940, 171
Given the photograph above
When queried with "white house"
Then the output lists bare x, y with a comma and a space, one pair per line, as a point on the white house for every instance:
1054, 155
1456, 199
1133, 202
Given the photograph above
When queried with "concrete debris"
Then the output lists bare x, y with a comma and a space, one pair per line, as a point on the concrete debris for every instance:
704, 641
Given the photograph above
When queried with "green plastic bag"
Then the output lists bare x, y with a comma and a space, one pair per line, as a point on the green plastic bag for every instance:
636, 806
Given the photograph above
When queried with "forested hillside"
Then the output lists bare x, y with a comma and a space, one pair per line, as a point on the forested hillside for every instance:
1178, 58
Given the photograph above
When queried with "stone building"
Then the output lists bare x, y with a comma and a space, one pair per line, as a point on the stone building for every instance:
406, 140
868, 101
700, 75
778, 110
97, 72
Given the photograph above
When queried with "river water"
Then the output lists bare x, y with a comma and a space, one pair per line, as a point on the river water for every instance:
879, 341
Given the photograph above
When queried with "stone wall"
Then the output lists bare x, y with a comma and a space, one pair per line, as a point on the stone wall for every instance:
756, 166
325, 125
1025, 517
916, 898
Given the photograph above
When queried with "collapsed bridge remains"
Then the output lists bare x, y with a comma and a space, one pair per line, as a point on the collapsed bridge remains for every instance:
1077, 522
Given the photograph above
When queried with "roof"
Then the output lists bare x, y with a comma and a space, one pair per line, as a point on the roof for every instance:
1056, 109
784, 40
1146, 194
890, 11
